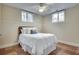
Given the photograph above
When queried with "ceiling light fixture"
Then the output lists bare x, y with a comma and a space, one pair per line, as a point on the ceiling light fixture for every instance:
42, 7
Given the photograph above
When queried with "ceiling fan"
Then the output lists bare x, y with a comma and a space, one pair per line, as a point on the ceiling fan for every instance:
42, 7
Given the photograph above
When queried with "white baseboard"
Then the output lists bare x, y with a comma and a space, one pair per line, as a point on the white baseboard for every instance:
8, 45
69, 43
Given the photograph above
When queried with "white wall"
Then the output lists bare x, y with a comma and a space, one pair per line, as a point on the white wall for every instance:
67, 31
0, 19
11, 20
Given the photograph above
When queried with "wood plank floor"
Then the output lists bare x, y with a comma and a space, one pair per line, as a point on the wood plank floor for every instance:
62, 49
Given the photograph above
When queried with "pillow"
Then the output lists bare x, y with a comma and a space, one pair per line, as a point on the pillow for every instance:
29, 30
25, 31
33, 31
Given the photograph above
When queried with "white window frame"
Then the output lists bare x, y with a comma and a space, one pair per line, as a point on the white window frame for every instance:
59, 17
26, 16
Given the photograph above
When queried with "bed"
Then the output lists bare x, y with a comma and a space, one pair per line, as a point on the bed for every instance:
36, 43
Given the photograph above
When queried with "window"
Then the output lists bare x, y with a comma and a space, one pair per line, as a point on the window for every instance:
30, 17
24, 18
55, 17
61, 16
27, 17
58, 17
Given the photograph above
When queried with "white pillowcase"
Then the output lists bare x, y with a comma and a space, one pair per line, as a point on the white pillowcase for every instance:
27, 30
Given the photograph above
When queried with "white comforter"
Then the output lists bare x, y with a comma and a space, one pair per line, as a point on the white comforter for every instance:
37, 42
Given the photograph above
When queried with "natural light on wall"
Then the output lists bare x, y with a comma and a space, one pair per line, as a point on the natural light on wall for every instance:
26, 16
58, 17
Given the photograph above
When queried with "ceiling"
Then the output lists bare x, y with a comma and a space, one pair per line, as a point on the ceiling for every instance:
33, 7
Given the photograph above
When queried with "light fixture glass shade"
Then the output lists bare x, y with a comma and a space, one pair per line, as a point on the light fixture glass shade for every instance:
42, 8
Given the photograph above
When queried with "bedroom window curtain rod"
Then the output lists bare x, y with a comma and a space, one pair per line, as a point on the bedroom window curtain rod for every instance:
58, 11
